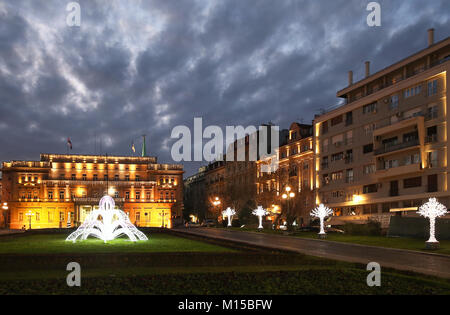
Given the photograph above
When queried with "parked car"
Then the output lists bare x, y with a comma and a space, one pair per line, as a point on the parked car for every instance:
209, 223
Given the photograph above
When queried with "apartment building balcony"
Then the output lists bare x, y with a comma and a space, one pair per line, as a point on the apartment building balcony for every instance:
402, 123
398, 171
389, 148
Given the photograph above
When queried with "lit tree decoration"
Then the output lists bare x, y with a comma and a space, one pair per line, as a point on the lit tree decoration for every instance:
260, 212
229, 213
432, 210
107, 223
321, 212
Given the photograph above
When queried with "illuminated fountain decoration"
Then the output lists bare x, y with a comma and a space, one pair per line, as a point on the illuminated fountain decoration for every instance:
432, 210
229, 213
321, 212
260, 212
107, 224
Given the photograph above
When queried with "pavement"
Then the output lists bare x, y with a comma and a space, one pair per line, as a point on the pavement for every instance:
8, 231
421, 262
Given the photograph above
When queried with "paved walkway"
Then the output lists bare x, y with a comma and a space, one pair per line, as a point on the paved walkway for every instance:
431, 264
7, 231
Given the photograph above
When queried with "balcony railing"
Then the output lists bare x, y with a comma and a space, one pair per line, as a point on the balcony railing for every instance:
395, 147
431, 139
94, 199
63, 182
397, 80
399, 119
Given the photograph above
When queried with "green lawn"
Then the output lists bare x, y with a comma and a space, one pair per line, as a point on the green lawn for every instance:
173, 265
381, 241
52, 244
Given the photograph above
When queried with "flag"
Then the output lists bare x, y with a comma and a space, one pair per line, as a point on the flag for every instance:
69, 143
144, 151
133, 148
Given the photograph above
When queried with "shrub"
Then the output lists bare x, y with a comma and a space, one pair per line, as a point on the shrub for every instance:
371, 228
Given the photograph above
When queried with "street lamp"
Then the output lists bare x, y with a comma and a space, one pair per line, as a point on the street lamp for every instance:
162, 214
216, 202
5, 208
288, 195
29, 214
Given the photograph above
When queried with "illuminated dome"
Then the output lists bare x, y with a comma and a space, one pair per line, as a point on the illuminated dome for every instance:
107, 223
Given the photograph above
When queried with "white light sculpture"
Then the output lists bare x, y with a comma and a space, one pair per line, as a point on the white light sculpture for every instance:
260, 212
321, 212
107, 223
229, 213
432, 210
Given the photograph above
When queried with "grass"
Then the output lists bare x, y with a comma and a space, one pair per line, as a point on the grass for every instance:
269, 280
174, 265
56, 244
380, 241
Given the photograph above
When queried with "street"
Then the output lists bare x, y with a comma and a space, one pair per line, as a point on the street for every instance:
426, 263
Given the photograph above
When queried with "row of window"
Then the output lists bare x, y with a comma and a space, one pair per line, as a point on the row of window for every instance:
165, 195
50, 216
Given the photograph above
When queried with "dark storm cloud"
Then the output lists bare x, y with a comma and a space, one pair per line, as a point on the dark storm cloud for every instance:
137, 67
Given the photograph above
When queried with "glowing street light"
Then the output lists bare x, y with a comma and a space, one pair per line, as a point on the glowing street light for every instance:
216, 201
229, 213
432, 210
29, 214
321, 212
260, 212
288, 195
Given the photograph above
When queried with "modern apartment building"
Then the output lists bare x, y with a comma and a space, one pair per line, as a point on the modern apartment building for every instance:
385, 151
45, 193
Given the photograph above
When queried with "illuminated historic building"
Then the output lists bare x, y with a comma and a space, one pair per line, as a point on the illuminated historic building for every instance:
46, 192
296, 171
385, 151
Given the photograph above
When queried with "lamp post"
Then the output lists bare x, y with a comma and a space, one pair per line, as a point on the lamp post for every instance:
162, 214
216, 202
5, 208
29, 214
288, 195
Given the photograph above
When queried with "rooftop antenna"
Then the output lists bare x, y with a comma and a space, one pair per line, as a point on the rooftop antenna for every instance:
107, 174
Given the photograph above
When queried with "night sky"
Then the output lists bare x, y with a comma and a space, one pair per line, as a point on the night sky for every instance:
143, 67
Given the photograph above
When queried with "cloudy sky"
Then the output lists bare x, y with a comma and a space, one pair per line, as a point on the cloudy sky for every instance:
143, 67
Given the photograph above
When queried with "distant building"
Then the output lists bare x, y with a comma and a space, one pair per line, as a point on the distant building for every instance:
385, 151
59, 186
195, 196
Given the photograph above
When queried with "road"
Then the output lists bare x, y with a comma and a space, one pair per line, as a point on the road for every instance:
426, 263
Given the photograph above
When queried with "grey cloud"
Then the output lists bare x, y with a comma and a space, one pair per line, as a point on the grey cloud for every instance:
146, 66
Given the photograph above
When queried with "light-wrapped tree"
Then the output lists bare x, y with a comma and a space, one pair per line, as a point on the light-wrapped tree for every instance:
260, 212
321, 212
229, 213
432, 210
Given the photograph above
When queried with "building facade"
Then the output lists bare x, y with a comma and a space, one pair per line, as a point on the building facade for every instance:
296, 171
61, 190
385, 151
195, 196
